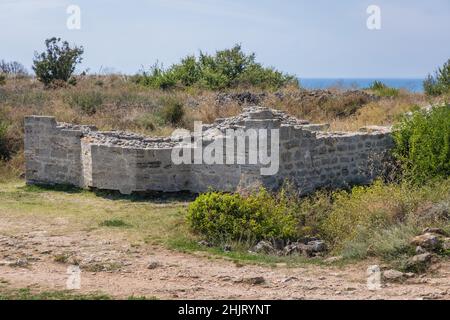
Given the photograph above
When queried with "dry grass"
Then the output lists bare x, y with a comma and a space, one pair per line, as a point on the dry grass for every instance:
113, 102
383, 112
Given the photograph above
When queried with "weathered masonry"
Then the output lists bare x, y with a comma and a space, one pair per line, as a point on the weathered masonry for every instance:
309, 156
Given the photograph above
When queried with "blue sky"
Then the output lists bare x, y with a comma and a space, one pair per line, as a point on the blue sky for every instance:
308, 38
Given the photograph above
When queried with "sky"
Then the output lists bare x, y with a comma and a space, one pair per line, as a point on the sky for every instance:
311, 39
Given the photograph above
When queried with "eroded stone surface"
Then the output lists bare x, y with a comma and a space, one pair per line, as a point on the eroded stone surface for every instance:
61, 153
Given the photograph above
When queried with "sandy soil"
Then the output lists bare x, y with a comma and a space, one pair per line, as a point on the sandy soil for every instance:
120, 269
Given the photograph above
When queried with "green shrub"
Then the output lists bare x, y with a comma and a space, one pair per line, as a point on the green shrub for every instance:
86, 101
221, 217
440, 82
57, 63
388, 243
382, 90
2, 79
423, 144
379, 219
228, 68
172, 111
363, 208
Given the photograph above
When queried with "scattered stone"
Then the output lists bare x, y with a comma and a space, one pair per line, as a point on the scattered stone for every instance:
446, 243
312, 248
428, 241
254, 280
224, 278
420, 262
205, 243
435, 230
153, 264
420, 250
21, 262
393, 275
289, 279
317, 246
297, 248
263, 247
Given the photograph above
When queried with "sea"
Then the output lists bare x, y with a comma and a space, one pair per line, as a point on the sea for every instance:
413, 85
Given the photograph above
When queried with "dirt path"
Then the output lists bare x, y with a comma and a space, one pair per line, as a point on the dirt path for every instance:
27, 259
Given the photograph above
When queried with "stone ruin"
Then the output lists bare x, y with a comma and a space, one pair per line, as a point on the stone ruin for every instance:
310, 157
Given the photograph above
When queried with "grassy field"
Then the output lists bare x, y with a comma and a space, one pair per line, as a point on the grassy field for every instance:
140, 220
153, 221
161, 220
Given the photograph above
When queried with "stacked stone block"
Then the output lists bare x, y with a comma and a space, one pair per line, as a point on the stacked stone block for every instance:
59, 153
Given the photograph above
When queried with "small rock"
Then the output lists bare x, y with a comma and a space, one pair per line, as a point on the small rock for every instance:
205, 243
428, 241
263, 247
393, 275
21, 262
227, 248
153, 265
435, 230
420, 250
446, 243
289, 279
317, 246
298, 248
419, 263
254, 280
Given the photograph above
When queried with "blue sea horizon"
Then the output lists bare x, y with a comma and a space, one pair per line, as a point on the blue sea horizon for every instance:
413, 85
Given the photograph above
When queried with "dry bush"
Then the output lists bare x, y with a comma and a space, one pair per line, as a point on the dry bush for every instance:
382, 112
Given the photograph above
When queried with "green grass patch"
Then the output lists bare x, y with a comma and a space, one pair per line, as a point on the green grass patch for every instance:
114, 223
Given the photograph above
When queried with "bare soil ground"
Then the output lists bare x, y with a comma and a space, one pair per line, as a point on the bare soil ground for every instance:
113, 266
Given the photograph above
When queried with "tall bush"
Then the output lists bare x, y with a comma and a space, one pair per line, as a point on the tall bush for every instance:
58, 62
423, 144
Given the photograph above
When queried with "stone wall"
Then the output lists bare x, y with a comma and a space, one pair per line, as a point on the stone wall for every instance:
60, 153
52, 152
